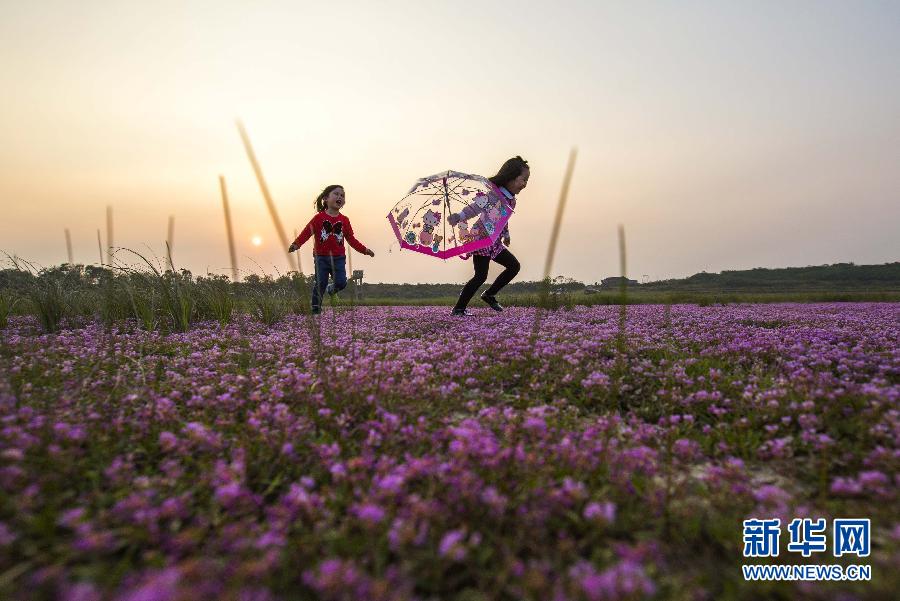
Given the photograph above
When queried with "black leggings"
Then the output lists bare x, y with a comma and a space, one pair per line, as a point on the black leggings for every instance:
505, 258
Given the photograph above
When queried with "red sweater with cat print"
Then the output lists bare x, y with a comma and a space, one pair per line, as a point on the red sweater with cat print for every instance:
328, 235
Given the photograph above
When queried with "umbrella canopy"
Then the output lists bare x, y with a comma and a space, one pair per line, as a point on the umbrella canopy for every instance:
422, 219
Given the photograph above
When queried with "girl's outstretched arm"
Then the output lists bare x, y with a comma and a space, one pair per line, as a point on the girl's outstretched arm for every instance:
305, 234
356, 244
464, 215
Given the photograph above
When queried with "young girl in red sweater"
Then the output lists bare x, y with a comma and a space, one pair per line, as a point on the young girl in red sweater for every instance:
328, 228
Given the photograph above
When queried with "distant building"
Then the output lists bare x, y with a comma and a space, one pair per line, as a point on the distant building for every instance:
356, 279
616, 282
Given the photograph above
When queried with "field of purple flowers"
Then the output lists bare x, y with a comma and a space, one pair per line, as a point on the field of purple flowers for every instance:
392, 453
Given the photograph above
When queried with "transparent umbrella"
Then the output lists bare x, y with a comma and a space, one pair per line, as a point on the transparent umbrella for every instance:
422, 219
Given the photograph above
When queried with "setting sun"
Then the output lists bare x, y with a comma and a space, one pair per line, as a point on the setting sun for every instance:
256, 240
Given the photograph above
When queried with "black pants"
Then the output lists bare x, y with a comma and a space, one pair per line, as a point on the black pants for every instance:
505, 258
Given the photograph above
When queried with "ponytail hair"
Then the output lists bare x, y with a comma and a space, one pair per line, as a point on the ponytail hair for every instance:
509, 171
320, 199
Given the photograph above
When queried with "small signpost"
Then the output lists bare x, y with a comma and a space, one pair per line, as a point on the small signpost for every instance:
357, 279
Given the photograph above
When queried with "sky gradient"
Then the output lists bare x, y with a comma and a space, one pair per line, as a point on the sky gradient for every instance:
723, 135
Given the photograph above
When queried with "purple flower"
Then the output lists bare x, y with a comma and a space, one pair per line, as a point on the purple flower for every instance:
228, 493
370, 513
271, 538
71, 517
82, 591
625, 579
391, 483
7, 536
846, 487
168, 441
535, 424
873, 480
159, 586
686, 449
596, 380
771, 495
600, 511
452, 545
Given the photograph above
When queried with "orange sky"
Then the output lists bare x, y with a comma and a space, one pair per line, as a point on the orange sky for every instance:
722, 138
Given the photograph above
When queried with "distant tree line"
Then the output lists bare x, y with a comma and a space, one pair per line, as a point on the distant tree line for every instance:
92, 276
837, 277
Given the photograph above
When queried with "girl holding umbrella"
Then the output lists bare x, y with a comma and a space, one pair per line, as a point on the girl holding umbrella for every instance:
510, 179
